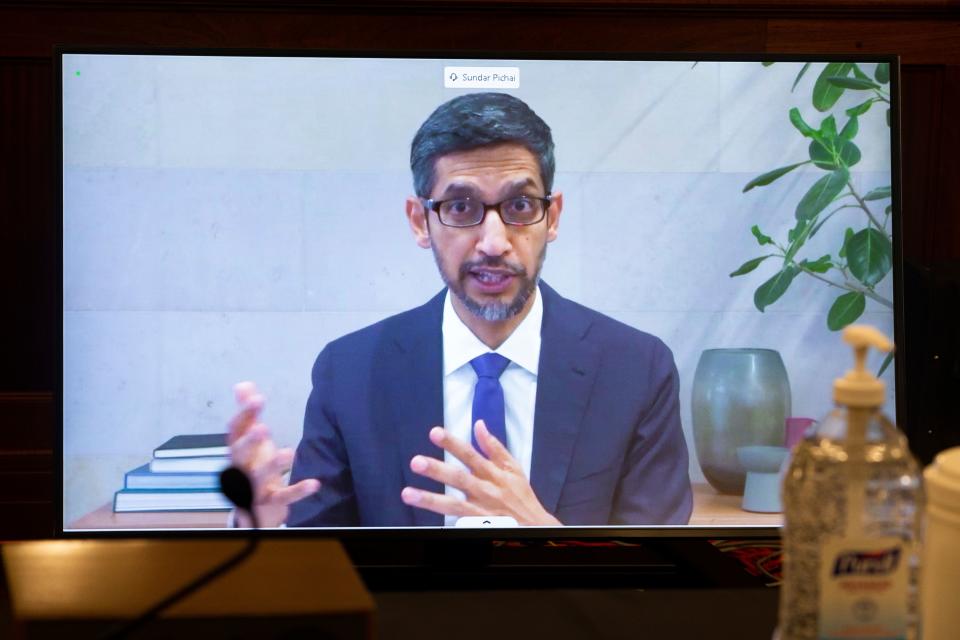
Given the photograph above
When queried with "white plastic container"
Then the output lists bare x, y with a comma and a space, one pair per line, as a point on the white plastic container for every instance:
940, 569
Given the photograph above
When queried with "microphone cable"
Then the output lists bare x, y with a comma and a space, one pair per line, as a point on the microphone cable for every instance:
234, 484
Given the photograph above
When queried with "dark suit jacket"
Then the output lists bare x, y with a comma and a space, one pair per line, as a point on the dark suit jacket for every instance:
607, 443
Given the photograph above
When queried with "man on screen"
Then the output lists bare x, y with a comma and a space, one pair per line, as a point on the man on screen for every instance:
553, 413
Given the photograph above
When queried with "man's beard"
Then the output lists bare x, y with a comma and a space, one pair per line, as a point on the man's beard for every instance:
494, 311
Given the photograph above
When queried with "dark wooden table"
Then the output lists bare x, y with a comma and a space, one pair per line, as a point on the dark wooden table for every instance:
596, 614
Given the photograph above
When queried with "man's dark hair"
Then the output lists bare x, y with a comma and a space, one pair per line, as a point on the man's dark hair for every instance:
477, 120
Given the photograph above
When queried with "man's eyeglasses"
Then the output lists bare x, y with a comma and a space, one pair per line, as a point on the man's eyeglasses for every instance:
469, 212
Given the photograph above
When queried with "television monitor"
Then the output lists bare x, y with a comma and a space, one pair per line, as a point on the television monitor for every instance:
226, 215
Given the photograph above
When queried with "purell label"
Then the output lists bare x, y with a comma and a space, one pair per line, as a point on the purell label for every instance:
863, 589
871, 563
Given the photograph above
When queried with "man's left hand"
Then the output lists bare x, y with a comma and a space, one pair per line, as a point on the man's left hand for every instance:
493, 485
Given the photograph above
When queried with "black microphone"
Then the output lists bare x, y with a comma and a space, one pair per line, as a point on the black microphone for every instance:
236, 486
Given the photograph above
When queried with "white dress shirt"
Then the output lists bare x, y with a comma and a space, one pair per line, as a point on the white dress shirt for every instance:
519, 382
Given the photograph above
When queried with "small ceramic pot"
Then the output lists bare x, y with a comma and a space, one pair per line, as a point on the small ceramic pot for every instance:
762, 490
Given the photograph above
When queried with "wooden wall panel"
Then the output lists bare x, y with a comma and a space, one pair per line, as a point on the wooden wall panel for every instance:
28, 276
922, 102
26, 465
926, 33
34, 33
915, 40
945, 248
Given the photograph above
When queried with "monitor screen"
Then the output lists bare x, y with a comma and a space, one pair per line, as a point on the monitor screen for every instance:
635, 272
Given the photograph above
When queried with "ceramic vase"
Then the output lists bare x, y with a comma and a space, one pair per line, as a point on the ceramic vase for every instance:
741, 398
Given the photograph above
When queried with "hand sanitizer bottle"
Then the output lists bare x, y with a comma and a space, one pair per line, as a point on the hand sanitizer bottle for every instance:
852, 505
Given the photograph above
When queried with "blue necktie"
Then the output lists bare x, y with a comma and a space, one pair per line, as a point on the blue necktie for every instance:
488, 397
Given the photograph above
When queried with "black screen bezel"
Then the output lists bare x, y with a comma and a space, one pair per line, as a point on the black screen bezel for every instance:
432, 534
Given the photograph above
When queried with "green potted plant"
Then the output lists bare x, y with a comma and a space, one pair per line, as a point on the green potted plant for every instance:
864, 254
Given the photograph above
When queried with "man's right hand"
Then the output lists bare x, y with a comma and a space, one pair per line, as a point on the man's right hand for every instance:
253, 450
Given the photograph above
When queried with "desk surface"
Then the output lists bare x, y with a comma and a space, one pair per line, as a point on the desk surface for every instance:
744, 613
709, 509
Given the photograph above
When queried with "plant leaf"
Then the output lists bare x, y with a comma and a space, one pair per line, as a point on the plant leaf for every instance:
861, 108
749, 266
799, 75
801, 124
761, 238
828, 127
853, 83
794, 233
798, 237
849, 153
766, 64
850, 129
822, 193
886, 363
869, 256
825, 94
882, 73
820, 265
878, 194
771, 290
821, 155
845, 309
846, 240
768, 177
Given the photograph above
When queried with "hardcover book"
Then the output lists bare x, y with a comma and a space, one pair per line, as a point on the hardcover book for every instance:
193, 445
203, 464
143, 478
170, 500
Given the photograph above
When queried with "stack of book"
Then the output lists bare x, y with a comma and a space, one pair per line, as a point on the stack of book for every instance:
184, 475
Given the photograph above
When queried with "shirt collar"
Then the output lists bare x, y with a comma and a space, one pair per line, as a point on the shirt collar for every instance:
522, 347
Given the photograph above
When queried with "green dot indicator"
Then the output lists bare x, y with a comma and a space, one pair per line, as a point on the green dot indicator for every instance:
78, 73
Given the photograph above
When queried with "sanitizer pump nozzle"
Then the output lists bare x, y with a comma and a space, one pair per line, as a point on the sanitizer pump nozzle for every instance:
860, 388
